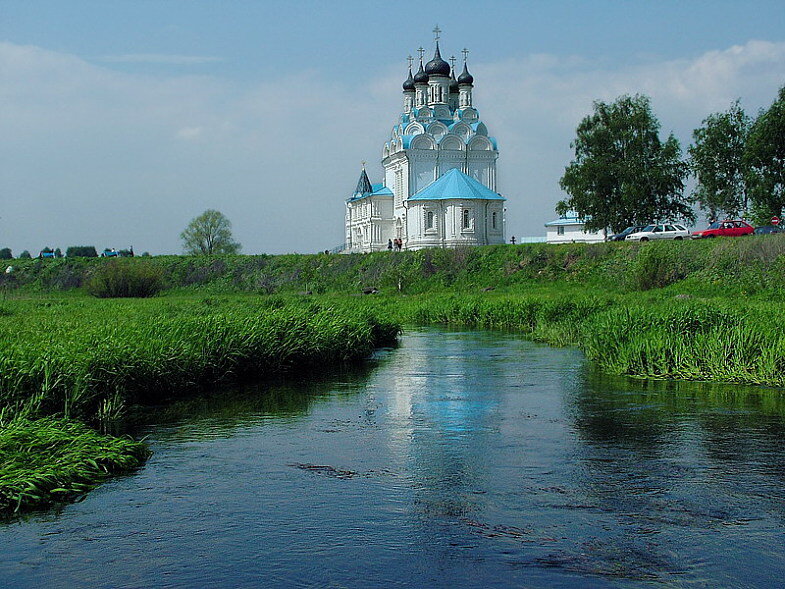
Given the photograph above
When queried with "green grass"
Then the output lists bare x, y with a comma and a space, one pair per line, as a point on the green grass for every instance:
49, 460
88, 358
750, 266
640, 335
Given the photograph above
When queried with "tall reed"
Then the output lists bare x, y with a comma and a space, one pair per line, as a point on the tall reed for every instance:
74, 358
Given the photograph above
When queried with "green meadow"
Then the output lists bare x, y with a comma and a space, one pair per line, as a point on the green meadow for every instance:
706, 311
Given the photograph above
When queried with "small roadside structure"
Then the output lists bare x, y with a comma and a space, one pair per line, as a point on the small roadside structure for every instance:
569, 228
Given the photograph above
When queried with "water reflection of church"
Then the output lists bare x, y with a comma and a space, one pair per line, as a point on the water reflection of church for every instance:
439, 184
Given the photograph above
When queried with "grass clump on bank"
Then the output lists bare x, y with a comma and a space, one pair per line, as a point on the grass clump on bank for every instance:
49, 460
690, 341
88, 358
121, 279
665, 338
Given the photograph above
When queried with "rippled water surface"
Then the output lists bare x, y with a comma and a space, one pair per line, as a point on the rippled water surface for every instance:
459, 459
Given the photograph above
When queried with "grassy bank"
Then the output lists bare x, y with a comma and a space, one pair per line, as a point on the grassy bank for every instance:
704, 310
82, 358
90, 358
748, 265
669, 337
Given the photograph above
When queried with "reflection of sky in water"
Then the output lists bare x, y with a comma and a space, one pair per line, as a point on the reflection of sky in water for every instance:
460, 459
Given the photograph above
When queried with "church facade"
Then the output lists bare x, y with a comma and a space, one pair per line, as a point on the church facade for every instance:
439, 183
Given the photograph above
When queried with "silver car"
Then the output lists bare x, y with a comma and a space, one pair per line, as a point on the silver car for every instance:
664, 231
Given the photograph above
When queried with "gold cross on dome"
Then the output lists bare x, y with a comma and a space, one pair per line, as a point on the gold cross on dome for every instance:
436, 31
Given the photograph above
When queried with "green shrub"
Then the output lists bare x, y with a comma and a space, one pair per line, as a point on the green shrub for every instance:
120, 279
657, 266
81, 251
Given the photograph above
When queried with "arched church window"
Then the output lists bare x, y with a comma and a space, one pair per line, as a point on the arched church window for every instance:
465, 220
493, 220
429, 220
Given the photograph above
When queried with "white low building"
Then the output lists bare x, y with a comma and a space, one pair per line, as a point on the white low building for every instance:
569, 228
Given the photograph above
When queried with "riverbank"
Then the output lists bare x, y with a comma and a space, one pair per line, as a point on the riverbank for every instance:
666, 337
752, 265
79, 358
704, 310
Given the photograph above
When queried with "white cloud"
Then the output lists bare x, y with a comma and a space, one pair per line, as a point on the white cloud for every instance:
92, 155
189, 133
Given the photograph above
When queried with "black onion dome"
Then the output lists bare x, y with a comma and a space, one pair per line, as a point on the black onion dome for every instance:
437, 66
421, 77
453, 82
465, 79
409, 83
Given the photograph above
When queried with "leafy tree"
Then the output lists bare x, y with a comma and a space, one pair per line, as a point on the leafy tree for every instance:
5, 254
623, 174
58, 253
764, 159
25, 255
209, 233
717, 162
81, 251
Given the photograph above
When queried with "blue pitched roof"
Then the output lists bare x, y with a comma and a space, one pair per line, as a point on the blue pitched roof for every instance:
456, 184
381, 190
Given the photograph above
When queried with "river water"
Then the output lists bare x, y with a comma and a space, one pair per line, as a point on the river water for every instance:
459, 459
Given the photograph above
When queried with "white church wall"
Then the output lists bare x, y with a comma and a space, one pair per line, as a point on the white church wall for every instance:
424, 171
479, 171
449, 159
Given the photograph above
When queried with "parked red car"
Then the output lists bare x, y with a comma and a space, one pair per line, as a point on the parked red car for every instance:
725, 229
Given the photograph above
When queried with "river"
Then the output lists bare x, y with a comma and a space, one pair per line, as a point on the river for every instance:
458, 459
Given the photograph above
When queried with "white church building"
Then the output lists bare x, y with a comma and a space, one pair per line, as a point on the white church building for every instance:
439, 184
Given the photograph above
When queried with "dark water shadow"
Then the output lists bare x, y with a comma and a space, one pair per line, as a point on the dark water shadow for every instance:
291, 396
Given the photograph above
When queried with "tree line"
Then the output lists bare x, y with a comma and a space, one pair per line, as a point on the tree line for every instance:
207, 234
623, 174
74, 251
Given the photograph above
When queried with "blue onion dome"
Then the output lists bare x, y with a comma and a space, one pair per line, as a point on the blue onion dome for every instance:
465, 79
421, 77
437, 66
409, 83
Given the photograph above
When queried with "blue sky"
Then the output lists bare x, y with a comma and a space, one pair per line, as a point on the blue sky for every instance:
120, 121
